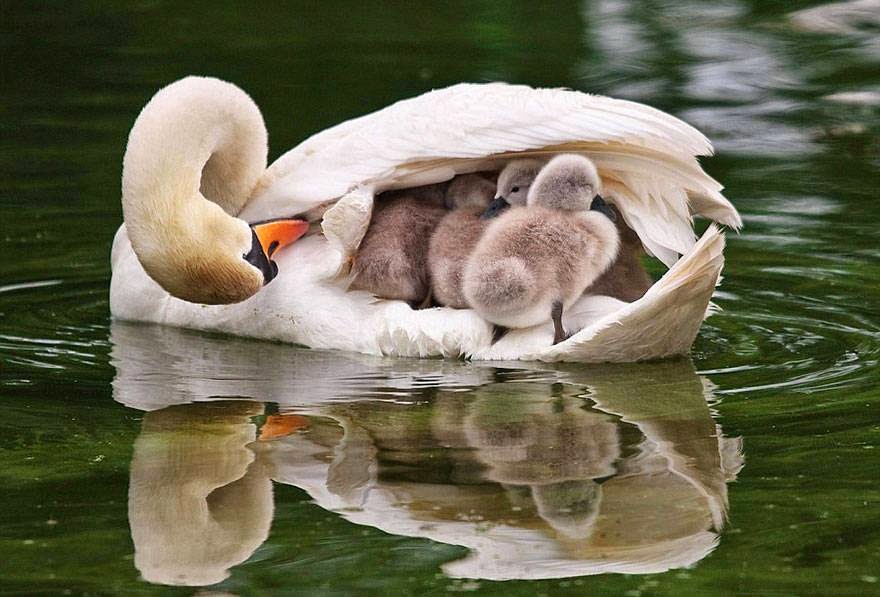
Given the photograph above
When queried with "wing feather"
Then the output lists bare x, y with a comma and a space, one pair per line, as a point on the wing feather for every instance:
647, 157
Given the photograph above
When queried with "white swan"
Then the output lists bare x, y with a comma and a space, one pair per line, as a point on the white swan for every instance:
200, 136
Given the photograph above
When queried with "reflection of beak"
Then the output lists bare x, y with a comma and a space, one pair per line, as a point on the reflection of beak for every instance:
277, 234
498, 205
280, 425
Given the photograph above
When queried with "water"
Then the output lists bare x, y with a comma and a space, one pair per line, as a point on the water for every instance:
413, 477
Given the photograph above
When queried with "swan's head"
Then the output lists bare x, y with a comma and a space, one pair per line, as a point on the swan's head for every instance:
469, 190
213, 258
514, 182
194, 156
569, 182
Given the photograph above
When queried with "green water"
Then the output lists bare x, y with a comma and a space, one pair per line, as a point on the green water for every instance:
128, 455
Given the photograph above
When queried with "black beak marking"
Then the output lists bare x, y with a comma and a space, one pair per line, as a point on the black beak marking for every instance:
601, 206
259, 260
497, 206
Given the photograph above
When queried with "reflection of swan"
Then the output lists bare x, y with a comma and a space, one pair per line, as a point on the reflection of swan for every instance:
852, 17
523, 472
551, 446
649, 508
570, 507
198, 503
535, 439
647, 160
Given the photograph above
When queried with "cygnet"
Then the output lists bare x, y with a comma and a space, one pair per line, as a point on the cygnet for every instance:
456, 236
392, 260
533, 263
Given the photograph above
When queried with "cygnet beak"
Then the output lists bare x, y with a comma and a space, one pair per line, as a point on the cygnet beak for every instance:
270, 236
601, 206
498, 205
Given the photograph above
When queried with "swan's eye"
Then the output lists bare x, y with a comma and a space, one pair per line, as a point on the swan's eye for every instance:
514, 190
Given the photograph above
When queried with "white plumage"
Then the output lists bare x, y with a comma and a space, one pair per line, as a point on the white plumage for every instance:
647, 160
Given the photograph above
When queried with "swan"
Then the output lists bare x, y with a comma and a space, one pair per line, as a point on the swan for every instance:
469, 191
533, 263
647, 160
626, 279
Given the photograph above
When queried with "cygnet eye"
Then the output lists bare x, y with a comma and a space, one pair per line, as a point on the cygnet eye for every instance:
514, 190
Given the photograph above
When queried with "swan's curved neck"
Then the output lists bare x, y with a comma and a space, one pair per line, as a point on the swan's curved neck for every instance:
194, 156
195, 135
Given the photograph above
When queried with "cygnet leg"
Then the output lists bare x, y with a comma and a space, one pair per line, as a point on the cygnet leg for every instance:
556, 314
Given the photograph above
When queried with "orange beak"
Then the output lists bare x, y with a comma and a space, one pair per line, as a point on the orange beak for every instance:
277, 234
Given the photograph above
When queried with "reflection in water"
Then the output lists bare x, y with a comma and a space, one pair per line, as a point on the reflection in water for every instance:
198, 502
554, 472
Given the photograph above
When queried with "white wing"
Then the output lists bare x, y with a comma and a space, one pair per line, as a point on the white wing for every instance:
647, 158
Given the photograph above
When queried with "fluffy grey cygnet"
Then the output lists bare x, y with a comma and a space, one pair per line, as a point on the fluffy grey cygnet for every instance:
626, 279
533, 263
456, 236
392, 260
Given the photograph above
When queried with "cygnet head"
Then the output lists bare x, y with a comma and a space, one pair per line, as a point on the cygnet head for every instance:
516, 179
513, 185
568, 182
571, 507
469, 190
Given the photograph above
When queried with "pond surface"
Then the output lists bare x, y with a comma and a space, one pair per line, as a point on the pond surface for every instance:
136, 457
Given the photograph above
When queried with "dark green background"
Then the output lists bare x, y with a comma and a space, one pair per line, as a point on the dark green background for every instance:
794, 353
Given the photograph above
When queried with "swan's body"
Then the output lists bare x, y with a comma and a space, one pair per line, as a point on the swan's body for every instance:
535, 262
456, 236
646, 158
